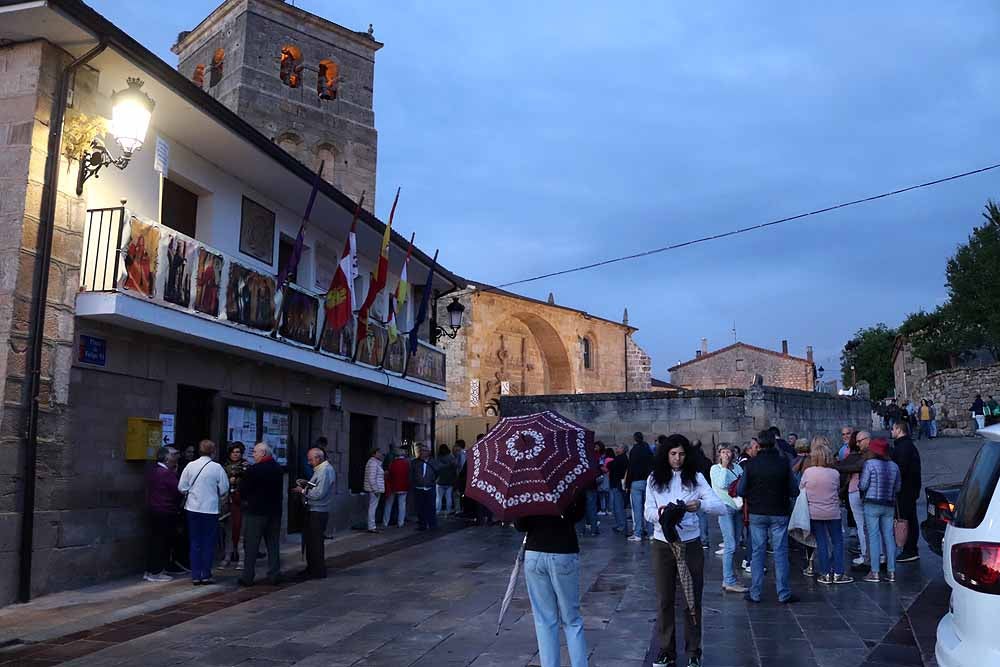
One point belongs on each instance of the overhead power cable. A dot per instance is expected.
(744, 230)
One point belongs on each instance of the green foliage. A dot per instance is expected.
(937, 337)
(974, 286)
(870, 352)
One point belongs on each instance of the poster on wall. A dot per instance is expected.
(372, 347)
(395, 358)
(298, 319)
(257, 231)
(276, 434)
(250, 298)
(241, 426)
(206, 294)
(168, 428)
(177, 286)
(141, 257)
(338, 341)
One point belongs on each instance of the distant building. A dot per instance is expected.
(734, 367)
(907, 369)
(662, 385)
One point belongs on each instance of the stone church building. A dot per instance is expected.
(511, 345)
(734, 367)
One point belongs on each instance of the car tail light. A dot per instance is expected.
(976, 565)
(944, 510)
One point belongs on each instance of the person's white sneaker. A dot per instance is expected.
(860, 560)
(746, 565)
(157, 578)
(634, 538)
(720, 551)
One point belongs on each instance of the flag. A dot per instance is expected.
(424, 301)
(379, 278)
(340, 298)
(293, 261)
(398, 299)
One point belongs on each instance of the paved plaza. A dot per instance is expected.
(432, 601)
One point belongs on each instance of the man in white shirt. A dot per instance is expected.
(203, 483)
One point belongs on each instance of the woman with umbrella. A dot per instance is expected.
(676, 492)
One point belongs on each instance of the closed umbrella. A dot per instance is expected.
(511, 583)
(531, 465)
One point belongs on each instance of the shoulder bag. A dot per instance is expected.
(900, 528)
(197, 475)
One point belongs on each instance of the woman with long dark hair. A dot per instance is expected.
(676, 489)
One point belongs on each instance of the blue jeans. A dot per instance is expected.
(703, 524)
(878, 523)
(775, 528)
(640, 526)
(203, 529)
(554, 590)
(424, 501)
(731, 525)
(590, 512)
(618, 508)
(829, 535)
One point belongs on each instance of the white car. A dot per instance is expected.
(967, 635)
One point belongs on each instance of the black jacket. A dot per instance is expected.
(640, 462)
(907, 457)
(767, 484)
(261, 489)
(554, 534)
(617, 470)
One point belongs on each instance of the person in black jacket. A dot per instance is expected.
(260, 492)
(617, 470)
(767, 486)
(640, 465)
(552, 574)
(907, 457)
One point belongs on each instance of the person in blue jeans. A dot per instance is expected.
(640, 465)
(722, 475)
(768, 487)
(552, 574)
(880, 484)
(617, 470)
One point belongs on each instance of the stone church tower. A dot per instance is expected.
(303, 81)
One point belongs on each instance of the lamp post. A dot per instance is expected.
(131, 110)
(455, 313)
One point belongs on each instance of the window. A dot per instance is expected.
(327, 80)
(326, 154)
(290, 70)
(179, 208)
(216, 73)
(285, 247)
(979, 487)
(587, 356)
(741, 365)
(198, 76)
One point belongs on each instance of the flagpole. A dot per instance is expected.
(424, 303)
(394, 305)
(354, 221)
(283, 274)
(381, 276)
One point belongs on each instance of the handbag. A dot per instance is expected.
(800, 524)
(900, 529)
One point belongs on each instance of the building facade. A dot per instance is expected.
(163, 321)
(735, 366)
(513, 345)
(907, 369)
(304, 81)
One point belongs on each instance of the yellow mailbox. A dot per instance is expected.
(143, 438)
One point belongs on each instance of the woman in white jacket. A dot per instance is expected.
(675, 478)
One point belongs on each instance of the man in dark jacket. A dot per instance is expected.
(640, 465)
(423, 479)
(907, 457)
(617, 470)
(767, 486)
(164, 503)
(260, 492)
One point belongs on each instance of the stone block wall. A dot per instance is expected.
(736, 366)
(711, 416)
(639, 365)
(953, 391)
(908, 371)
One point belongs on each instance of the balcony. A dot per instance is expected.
(142, 275)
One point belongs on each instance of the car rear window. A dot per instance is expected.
(980, 484)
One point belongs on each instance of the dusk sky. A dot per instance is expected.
(532, 137)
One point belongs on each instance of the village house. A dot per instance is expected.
(736, 365)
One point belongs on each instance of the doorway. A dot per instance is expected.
(409, 439)
(195, 408)
(361, 438)
(300, 439)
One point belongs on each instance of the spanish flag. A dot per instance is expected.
(398, 300)
(340, 298)
(379, 278)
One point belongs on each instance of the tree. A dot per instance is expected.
(938, 337)
(870, 352)
(974, 285)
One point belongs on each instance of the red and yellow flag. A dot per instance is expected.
(379, 278)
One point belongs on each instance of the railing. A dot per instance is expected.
(123, 253)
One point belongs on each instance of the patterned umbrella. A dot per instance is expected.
(531, 465)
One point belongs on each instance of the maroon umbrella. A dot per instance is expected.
(531, 465)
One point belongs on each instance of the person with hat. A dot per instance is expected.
(879, 484)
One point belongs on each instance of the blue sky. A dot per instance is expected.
(530, 137)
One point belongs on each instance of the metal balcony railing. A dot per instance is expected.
(127, 254)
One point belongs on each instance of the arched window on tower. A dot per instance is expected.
(327, 155)
(198, 76)
(290, 142)
(327, 80)
(588, 355)
(216, 73)
(291, 66)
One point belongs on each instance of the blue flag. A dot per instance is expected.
(424, 302)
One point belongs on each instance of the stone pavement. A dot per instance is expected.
(435, 602)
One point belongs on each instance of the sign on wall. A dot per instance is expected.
(92, 350)
(161, 160)
(257, 231)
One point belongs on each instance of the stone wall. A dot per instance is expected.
(953, 391)
(736, 366)
(340, 131)
(712, 416)
(908, 371)
(511, 344)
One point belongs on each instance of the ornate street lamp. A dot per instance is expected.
(131, 110)
(455, 312)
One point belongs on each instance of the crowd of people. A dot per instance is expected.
(922, 416)
(762, 494)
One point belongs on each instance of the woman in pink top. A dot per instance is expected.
(821, 484)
